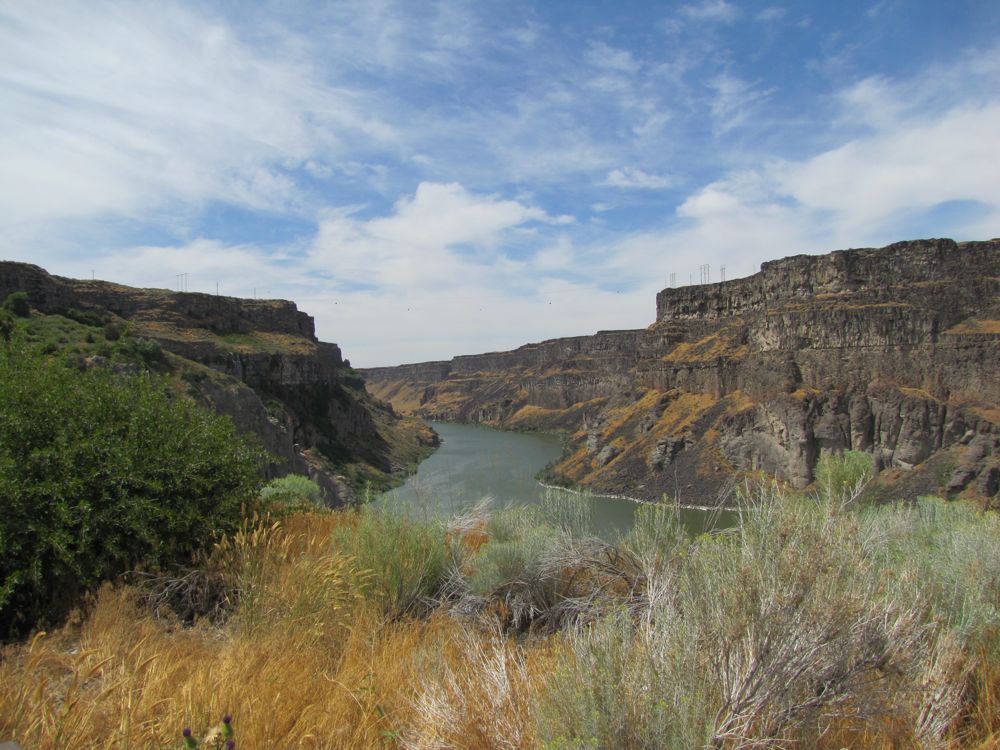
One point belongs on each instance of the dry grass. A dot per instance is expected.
(405, 397)
(807, 628)
(720, 344)
(258, 341)
(304, 663)
(976, 326)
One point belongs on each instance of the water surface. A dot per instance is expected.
(475, 461)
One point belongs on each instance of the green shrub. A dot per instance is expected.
(506, 566)
(17, 304)
(112, 331)
(571, 512)
(625, 687)
(139, 350)
(7, 325)
(405, 559)
(842, 477)
(94, 318)
(293, 489)
(803, 615)
(100, 473)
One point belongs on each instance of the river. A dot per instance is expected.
(475, 461)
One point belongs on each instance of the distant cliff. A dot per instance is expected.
(894, 351)
(259, 362)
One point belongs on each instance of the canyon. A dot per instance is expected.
(258, 362)
(893, 351)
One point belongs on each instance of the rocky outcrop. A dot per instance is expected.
(893, 351)
(259, 362)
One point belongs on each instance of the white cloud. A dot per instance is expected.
(149, 115)
(771, 13)
(631, 178)
(909, 167)
(127, 108)
(718, 11)
(734, 100)
(441, 238)
(610, 58)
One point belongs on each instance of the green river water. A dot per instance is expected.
(475, 461)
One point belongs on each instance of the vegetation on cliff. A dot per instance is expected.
(101, 472)
(255, 361)
(891, 351)
(817, 621)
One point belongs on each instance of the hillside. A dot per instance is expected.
(257, 361)
(894, 351)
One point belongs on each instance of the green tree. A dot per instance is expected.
(17, 303)
(100, 473)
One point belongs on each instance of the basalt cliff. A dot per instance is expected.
(894, 351)
(257, 361)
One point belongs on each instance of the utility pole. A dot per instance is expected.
(722, 271)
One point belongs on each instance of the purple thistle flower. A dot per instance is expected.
(187, 731)
(230, 744)
(227, 719)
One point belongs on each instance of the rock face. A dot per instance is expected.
(259, 362)
(894, 351)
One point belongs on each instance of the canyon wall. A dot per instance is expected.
(260, 363)
(894, 351)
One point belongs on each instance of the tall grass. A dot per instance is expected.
(819, 621)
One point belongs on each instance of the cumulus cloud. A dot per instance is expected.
(386, 167)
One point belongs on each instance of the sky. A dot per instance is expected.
(430, 179)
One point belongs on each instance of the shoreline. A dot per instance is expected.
(636, 500)
(609, 496)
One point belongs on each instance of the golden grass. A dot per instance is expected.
(258, 341)
(918, 393)
(714, 346)
(530, 415)
(976, 326)
(312, 666)
(404, 397)
(991, 414)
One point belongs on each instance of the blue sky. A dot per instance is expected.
(438, 178)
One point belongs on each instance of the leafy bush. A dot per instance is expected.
(803, 616)
(17, 304)
(100, 473)
(7, 325)
(406, 558)
(540, 569)
(139, 350)
(293, 489)
(842, 477)
(112, 331)
(93, 318)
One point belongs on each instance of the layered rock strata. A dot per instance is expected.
(260, 363)
(894, 351)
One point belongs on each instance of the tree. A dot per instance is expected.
(100, 473)
(17, 303)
